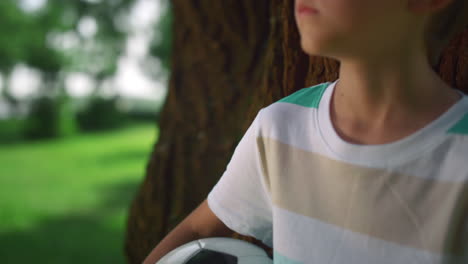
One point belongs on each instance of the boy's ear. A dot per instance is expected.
(427, 6)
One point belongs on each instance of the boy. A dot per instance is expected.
(368, 169)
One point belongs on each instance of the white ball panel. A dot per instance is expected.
(180, 254)
(235, 247)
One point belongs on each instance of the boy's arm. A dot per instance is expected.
(201, 223)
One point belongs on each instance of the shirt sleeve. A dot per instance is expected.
(240, 198)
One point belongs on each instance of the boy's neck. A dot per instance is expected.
(394, 98)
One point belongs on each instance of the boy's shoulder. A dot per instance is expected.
(461, 126)
(294, 108)
(307, 97)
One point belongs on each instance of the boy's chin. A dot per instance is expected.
(312, 48)
(319, 49)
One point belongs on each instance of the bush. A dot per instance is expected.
(101, 114)
(11, 130)
(50, 117)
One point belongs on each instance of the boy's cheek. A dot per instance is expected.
(350, 15)
(322, 43)
(340, 27)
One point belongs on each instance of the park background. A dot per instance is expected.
(81, 87)
(109, 139)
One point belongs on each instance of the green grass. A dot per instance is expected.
(66, 201)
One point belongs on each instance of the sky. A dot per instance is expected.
(129, 80)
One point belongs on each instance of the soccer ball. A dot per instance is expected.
(217, 250)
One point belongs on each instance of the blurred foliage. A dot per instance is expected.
(50, 118)
(161, 48)
(51, 40)
(30, 37)
(24, 38)
(27, 35)
(143, 115)
(11, 130)
(96, 55)
(101, 114)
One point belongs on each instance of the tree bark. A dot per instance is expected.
(230, 58)
(453, 65)
(217, 64)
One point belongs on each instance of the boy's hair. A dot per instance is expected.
(443, 26)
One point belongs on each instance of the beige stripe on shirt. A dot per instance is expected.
(405, 209)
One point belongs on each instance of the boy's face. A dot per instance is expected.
(355, 28)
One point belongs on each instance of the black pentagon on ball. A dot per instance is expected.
(206, 256)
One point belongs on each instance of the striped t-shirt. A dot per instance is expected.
(294, 184)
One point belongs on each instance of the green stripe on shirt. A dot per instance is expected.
(461, 127)
(308, 97)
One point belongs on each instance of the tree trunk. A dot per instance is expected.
(230, 58)
(453, 66)
(217, 64)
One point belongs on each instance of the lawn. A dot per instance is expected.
(66, 201)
